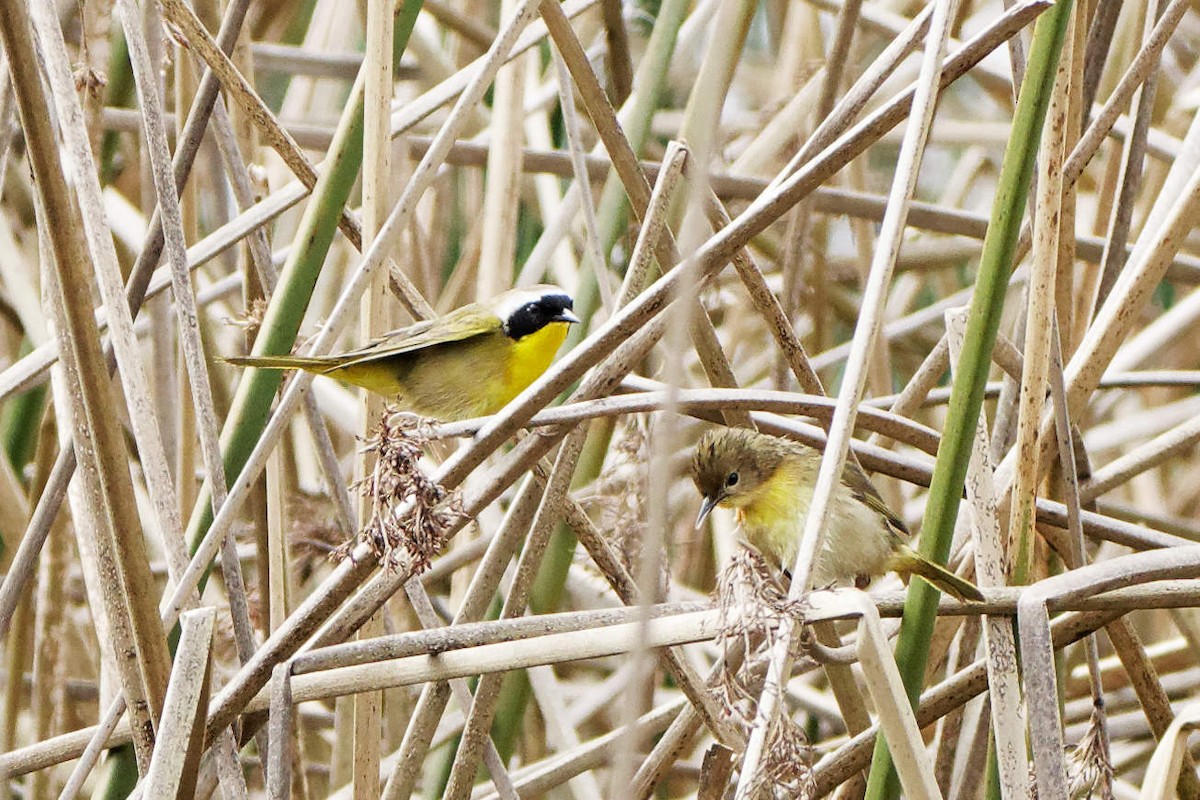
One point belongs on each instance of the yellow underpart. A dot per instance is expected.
(770, 515)
(530, 357)
(375, 376)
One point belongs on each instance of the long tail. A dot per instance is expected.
(317, 365)
(908, 561)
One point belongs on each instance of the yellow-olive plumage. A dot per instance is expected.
(769, 482)
(465, 364)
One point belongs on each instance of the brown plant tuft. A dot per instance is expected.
(251, 319)
(410, 514)
(787, 763)
(753, 606)
(1089, 767)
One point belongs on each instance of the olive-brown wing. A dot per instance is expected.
(863, 490)
(461, 324)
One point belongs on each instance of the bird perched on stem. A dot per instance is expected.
(465, 364)
(769, 482)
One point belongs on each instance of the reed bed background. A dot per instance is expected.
(846, 222)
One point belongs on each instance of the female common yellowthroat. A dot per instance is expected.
(465, 364)
(769, 482)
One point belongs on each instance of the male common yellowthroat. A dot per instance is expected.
(770, 481)
(465, 364)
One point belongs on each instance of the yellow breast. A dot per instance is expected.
(529, 357)
(770, 516)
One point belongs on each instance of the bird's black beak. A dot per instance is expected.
(706, 508)
(566, 315)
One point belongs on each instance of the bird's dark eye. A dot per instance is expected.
(732, 479)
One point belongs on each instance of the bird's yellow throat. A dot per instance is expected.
(531, 355)
(778, 500)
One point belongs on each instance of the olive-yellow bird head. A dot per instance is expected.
(528, 310)
(731, 464)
